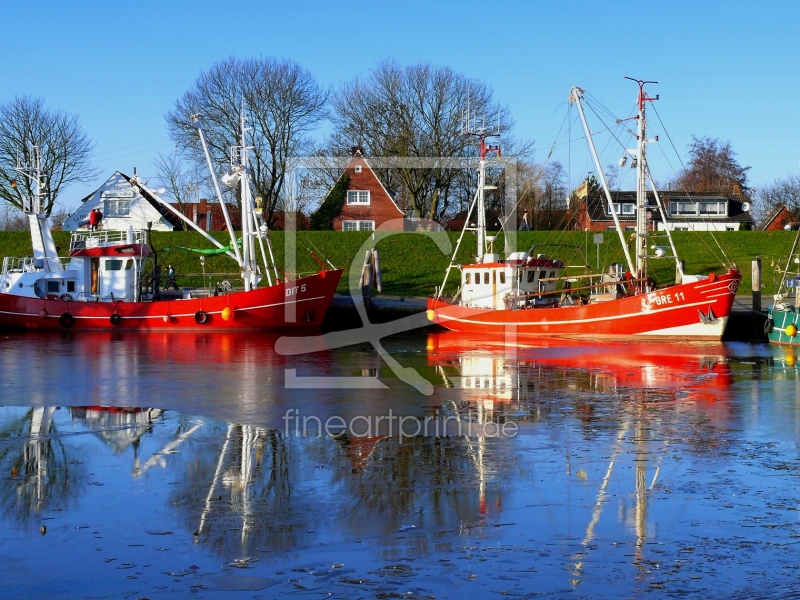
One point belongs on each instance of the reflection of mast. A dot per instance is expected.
(158, 457)
(601, 499)
(641, 492)
(238, 480)
(37, 452)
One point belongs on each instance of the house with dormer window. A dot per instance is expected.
(685, 211)
(124, 206)
(368, 205)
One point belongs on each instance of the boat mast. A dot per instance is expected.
(641, 181)
(481, 132)
(196, 123)
(41, 237)
(576, 95)
(249, 267)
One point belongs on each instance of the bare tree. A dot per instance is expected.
(415, 112)
(66, 151)
(713, 168)
(283, 103)
(181, 181)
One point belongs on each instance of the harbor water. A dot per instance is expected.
(173, 465)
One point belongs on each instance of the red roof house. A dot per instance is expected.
(780, 218)
(368, 205)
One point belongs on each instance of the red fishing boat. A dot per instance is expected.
(110, 280)
(527, 292)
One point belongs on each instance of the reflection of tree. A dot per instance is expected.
(437, 480)
(40, 472)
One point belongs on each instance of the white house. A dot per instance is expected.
(123, 206)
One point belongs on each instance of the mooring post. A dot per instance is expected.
(679, 268)
(376, 265)
(756, 285)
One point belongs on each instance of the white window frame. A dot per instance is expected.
(114, 207)
(720, 205)
(357, 169)
(358, 197)
(625, 208)
(675, 207)
(358, 225)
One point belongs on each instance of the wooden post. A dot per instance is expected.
(376, 265)
(756, 274)
(366, 285)
(679, 270)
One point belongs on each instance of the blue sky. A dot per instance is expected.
(725, 70)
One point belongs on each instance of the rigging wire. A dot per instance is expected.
(727, 259)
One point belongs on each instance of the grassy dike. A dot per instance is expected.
(412, 264)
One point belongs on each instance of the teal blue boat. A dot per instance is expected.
(783, 319)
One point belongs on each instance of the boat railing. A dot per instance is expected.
(30, 264)
(95, 239)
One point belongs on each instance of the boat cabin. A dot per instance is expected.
(104, 266)
(516, 282)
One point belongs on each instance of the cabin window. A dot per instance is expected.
(113, 265)
(129, 264)
(486, 278)
(552, 274)
(502, 276)
(358, 197)
(531, 276)
(467, 278)
(52, 287)
(70, 286)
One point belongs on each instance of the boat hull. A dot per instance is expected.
(697, 310)
(780, 319)
(300, 303)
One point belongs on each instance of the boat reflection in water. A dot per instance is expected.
(603, 436)
(636, 388)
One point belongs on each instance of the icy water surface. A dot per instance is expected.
(148, 466)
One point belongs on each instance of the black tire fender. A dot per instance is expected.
(115, 319)
(200, 317)
(66, 320)
(768, 326)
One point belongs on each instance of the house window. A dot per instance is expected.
(358, 225)
(683, 208)
(712, 208)
(357, 168)
(358, 196)
(611, 227)
(116, 207)
(630, 228)
(622, 209)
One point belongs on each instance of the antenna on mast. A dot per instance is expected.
(471, 128)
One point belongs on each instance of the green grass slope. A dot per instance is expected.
(413, 264)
